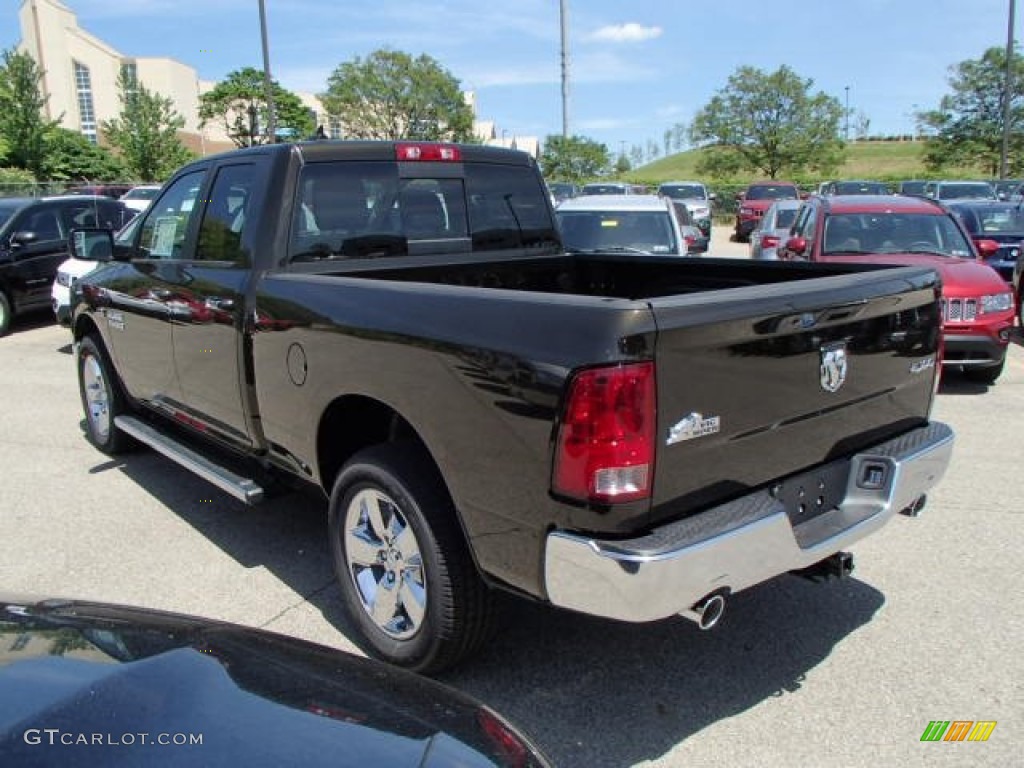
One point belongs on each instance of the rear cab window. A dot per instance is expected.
(374, 209)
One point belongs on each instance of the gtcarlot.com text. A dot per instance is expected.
(55, 736)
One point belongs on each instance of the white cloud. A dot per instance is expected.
(625, 33)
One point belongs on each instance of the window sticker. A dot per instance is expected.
(164, 234)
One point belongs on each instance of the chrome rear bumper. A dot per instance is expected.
(744, 542)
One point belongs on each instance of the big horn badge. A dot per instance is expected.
(833, 366)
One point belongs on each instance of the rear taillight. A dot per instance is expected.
(770, 241)
(427, 152)
(605, 447)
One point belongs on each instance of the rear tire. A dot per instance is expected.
(406, 574)
(102, 397)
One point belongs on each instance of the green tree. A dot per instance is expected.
(239, 105)
(769, 123)
(146, 132)
(71, 156)
(391, 95)
(22, 125)
(967, 128)
(574, 158)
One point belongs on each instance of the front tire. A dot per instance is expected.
(407, 577)
(5, 314)
(987, 374)
(102, 398)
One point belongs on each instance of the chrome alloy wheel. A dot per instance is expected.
(385, 564)
(97, 397)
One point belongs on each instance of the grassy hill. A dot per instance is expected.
(883, 160)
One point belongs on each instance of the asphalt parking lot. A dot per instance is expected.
(846, 673)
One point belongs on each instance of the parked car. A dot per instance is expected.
(696, 241)
(911, 187)
(1018, 282)
(114, 191)
(977, 304)
(562, 190)
(756, 199)
(1005, 188)
(630, 223)
(960, 190)
(33, 242)
(696, 197)
(856, 187)
(773, 229)
(607, 188)
(1002, 222)
(138, 198)
(203, 692)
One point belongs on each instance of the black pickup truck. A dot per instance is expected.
(397, 326)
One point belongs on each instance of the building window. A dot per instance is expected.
(129, 75)
(86, 113)
(334, 127)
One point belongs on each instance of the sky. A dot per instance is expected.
(637, 68)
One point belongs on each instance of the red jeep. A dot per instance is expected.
(977, 304)
(755, 200)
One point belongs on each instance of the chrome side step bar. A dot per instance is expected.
(242, 488)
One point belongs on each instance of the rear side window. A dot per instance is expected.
(353, 210)
(220, 233)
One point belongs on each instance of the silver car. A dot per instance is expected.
(773, 229)
(624, 223)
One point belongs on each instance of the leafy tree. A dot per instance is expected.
(146, 132)
(22, 125)
(967, 128)
(71, 156)
(390, 95)
(16, 182)
(769, 123)
(574, 158)
(622, 165)
(239, 104)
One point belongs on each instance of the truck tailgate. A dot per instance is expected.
(757, 384)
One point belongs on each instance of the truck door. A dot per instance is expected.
(210, 289)
(141, 295)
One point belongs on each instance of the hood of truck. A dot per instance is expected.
(755, 385)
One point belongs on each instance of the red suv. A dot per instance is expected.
(977, 304)
(756, 200)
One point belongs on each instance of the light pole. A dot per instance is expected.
(269, 93)
(846, 128)
(564, 18)
(1004, 169)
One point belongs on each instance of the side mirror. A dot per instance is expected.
(21, 239)
(91, 244)
(713, 196)
(797, 246)
(986, 248)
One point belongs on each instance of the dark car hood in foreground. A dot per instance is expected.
(93, 684)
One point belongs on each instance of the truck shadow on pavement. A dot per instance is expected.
(591, 692)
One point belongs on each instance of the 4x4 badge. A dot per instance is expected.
(833, 366)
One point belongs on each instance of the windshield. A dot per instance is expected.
(140, 194)
(6, 211)
(642, 231)
(964, 190)
(861, 188)
(1000, 218)
(771, 192)
(684, 191)
(894, 233)
(913, 187)
(605, 189)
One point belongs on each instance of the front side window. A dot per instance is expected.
(167, 220)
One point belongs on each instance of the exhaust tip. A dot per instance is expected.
(707, 611)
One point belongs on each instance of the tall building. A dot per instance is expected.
(80, 74)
